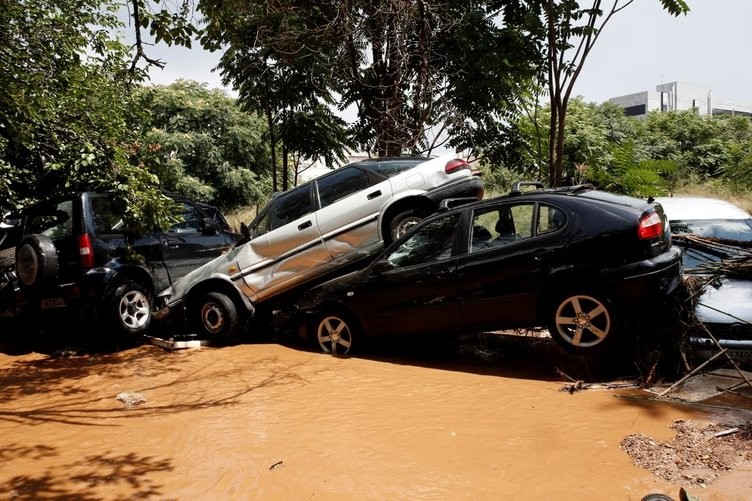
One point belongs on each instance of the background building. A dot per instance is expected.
(677, 96)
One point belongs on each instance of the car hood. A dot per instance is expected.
(730, 302)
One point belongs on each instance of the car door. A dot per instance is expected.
(418, 293)
(190, 243)
(286, 243)
(498, 278)
(351, 200)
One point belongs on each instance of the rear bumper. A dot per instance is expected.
(651, 278)
(470, 186)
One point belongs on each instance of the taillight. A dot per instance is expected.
(85, 252)
(456, 165)
(650, 226)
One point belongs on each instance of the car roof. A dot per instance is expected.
(691, 208)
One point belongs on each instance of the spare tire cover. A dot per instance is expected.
(36, 260)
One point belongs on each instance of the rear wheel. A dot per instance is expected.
(334, 333)
(131, 305)
(585, 322)
(402, 222)
(216, 317)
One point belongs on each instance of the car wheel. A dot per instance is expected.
(585, 322)
(402, 222)
(36, 260)
(334, 333)
(217, 317)
(132, 306)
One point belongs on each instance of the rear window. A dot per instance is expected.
(390, 168)
(107, 219)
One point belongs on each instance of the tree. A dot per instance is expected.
(407, 66)
(571, 32)
(201, 144)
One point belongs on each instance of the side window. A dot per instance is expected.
(192, 221)
(106, 217)
(341, 184)
(55, 222)
(550, 219)
(432, 242)
(284, 209)
(501, 225)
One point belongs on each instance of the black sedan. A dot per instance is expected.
(575, 260)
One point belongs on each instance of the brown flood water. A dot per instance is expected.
(276, 421)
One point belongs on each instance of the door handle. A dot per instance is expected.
(375, 194)
(303, 226)
(543, 255)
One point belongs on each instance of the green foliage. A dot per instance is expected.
(199, 143)
(65, 106)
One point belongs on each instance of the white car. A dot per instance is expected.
(725, 306)
(319, 227)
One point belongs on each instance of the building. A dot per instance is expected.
(677, 96)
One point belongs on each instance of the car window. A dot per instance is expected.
(284, 209)
(432, 242)
(107, 219)
(191, 221)
(54, 222)
(391, 168)
(494, 226)
(340, 184)
(550, 219)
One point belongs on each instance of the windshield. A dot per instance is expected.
(729, 238)
(733, 229)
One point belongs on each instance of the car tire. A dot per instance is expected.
(401, 223)
(131, 306)
(585, 321)
(335, 333)
(216, 317)
(36, 260)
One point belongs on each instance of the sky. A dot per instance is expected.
(641, 47)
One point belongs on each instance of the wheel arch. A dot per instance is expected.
(563, 280)
(415, 201)
(242, 304)
(114, 277)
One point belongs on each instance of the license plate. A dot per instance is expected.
(741, 354)
(54, 302)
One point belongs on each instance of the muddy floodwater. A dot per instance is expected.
(281, 422)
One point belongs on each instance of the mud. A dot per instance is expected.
(487, 418)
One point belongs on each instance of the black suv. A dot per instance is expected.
(78, 253)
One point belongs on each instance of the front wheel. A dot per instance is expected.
(216, 317)
(132, 304)
(585, 322)
(334, 333)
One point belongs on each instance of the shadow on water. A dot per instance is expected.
(522, 354)
(127, 473)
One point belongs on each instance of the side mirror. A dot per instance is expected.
(382, 266)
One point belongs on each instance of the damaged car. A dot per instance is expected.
(319, 227)
(76, 255)
(575, 260)
(716, 241)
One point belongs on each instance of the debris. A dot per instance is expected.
(178, 342)
(276, 465)
(131, 399)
